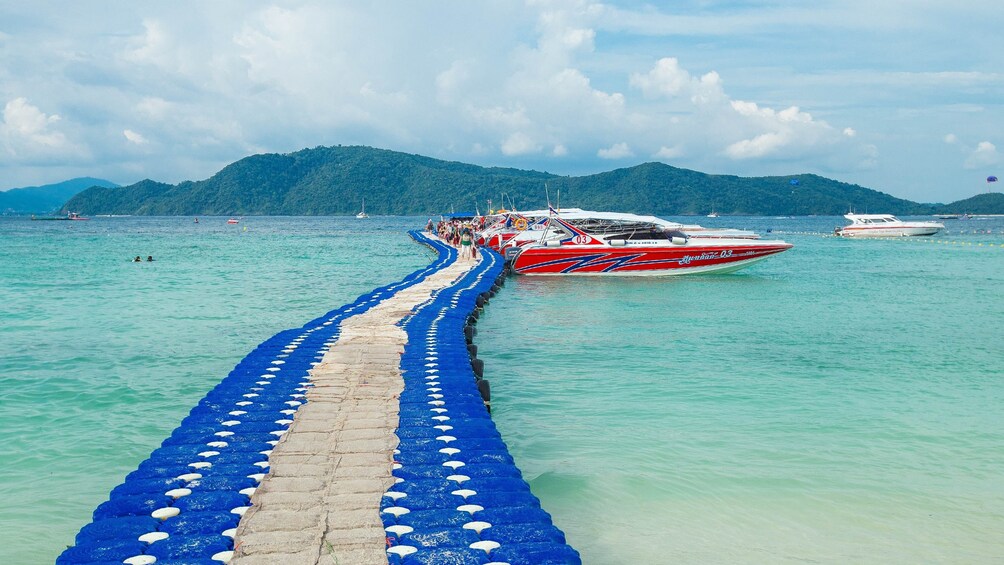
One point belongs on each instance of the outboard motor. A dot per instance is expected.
(511, 253)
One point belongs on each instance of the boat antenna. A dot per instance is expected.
(559, 199)
(547, 195)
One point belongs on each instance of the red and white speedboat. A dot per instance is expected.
(885, 225)
(619, 244)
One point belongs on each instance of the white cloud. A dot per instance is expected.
(668, 79)
(31, 125)
(665, 153)
(699, 111)
(615, 151)
(451, 83)
(951, 138)
(519, 144)
(559, 150)
(984, 155)
(27, 134)
(759, 146)
(134, 137)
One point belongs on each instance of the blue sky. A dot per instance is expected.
(899, 96)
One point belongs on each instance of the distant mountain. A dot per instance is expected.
(664, 190)
(334, 181)
(986, 203)
(45, 199)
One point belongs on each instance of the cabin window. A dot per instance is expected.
(646, 235)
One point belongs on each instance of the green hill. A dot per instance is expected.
(665, 190)
(47, 198)
(987, 203)
(335, 180)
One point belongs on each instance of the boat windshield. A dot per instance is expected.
(620, 229)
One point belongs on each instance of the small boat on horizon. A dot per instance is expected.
(362, 214)
(233, 221)
(69, 216)
(885, 225)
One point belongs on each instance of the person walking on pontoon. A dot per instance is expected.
(466, 244)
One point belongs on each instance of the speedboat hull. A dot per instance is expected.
(920, 229)
(644, 261)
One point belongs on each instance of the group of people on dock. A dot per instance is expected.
(457, 233)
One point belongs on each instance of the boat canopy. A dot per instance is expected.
(871, 218)
(459, 215)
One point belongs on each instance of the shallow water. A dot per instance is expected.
(103, 357)
(838, 403)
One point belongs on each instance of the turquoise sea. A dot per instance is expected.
(840, 403)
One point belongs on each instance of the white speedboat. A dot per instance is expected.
(885, 225)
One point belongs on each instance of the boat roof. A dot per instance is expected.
(869, 216)
(615, 216)
(538, 213)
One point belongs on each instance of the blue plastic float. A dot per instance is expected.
(459, 496)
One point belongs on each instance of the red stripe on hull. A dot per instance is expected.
(604, 260)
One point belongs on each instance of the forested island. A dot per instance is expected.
(47, 198)
(335, 180)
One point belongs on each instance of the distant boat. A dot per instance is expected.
(68, 216)
(362, 214)
(233, 221)
(713, 214)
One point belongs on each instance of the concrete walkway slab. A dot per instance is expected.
(320, 502)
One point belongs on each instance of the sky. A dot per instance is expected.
(904, 97)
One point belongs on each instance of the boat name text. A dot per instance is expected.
(706, 256)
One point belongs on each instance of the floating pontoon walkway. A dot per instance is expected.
(291, 459)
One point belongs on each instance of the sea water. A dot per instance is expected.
(100, 357)
(841, 402)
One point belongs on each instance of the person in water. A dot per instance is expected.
(137, 259)
(149, 258)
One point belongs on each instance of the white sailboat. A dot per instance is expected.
(362, 214)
